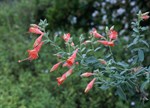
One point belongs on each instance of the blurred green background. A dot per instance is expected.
(29, 84)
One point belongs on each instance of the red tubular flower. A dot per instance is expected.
(103, 42)
(61, 79)
(72, 58)
(86, 74)
(145, 17)
(113, 34)
(107, 43)
(35, 30)
(66, 37)
(55, 67)
(37, 48)
(90, 85)
(33, 54)
(96, 34)
(111, 43)
(38, 41)
(69, 72)
(66, 65)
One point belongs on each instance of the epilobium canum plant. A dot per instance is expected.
(129, 77)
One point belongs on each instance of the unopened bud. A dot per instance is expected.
(146, 13)
(112, 27)
(102, 61)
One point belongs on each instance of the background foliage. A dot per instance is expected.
(29, 84)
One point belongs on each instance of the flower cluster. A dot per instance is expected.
(113, 35)
(70, 63)
(103, 71)
(33, 54)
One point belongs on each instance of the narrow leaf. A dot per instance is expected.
(140, 55)
(144, 42)
(121, 93)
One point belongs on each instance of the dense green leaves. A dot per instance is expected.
(92, 62)
(121, 93)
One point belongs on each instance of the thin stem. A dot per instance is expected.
(68, 47)
(111, 53)
(52, 43)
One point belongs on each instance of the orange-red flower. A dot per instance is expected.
(38, 41)
(35, 30)
(66, 65)
(72, 58)
(66, 37)
(145, 17)
(106, 43)
(90, 85)
(32, 55)
(61, 79)
(113, 34)
(111, 43)
(37, 48)
(55, 66)
(96, 34)
(86, 74)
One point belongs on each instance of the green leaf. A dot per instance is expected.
(83, 55)
(107, 56)
(140, 55)
(92, 61)
(129, 88)
(98, 48)
(89, 50)
(144, 42)
(130, 45)
(104, 87)
(140, 71)
(135, 58)
(144, 28)
(136, 30)
(121, 93)
(123, 72)
(83, 49)
(133, 23)
(123, 64)
(144, 85)
(135, 41)
(148, 68)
